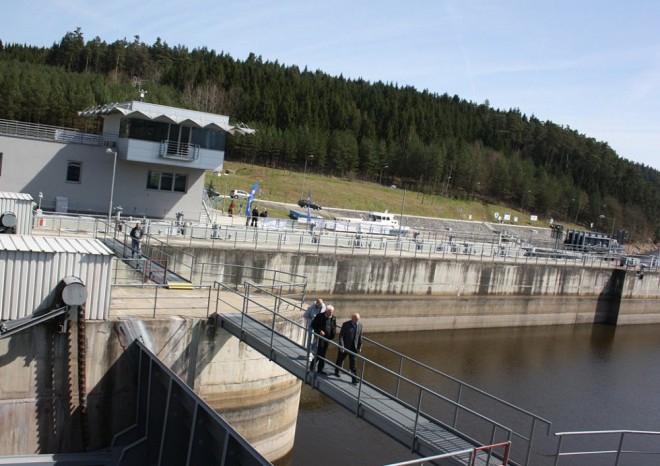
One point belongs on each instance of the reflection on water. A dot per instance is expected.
(585, 377)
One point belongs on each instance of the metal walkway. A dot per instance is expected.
(426, 421)
(144, 263)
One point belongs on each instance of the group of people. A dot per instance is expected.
(253, 219)
(321, 322)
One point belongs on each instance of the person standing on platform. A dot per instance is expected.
(350, 339)
(324, 325)
(136, 238)
(312, 311)
(255, 217)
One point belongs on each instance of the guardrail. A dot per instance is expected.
(461, 411)
(637, 451)
(289, 239)
(469, 456)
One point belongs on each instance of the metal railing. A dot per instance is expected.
(635, 450)
(458, 407)
(470, 456)
(179, 150)
(53, 133)
(286, 236)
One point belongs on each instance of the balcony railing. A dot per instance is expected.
(54, 133)
(179, 151)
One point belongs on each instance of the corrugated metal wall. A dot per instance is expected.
(21, 205)
(31, 268)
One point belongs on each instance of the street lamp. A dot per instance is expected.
(302, 188)
(109, 151)
(380, 179)
(474, 186)
(522, 206)
(612, 234)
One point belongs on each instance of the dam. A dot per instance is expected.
(240, 383)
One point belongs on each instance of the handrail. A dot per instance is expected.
(469, 451)
(618, 435)
(420, 407)
(290, 238)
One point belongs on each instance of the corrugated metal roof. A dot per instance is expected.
(16, 196)
(163, 113)
(53, 244)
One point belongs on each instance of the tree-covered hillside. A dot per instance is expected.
(353, 128)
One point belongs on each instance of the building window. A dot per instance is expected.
(73, 171)
(167, 181)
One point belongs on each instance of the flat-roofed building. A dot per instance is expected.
(162, 154)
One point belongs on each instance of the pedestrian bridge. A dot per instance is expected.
(441, 417)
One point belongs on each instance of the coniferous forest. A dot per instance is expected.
(430, 143)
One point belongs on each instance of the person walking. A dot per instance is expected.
(350, 344)
(324, 325)
(136, 238)
(232, 207)
(317, 307)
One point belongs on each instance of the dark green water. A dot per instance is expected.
(579, 377)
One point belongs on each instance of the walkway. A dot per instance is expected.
(388, 414)
(383, 397)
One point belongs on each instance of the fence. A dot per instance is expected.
(286, 235)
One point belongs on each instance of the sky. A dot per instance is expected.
(590, 65)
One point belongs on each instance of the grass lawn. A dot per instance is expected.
(287, 186)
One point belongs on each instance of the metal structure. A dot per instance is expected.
(426, 420)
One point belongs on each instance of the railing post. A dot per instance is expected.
(155, 300)
(458, 403)
(557, 455)
(618, 451)
(417, 410)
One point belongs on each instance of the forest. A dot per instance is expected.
(355, 129)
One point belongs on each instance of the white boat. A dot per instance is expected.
(377, 223)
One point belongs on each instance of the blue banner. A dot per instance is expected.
(253, 191)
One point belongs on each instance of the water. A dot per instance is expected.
(582, 377)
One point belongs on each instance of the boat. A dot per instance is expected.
(377, 223)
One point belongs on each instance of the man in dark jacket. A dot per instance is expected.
(136, 238)
(350, 338)
(324, 325)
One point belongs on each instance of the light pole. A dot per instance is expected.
(612, 234)
(109, 151)
(380, 179)
(522, 206)
(380, 182)
(474, 186)
(568, 207)
(302, 188)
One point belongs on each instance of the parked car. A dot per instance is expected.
(311, 204)
(238, 194)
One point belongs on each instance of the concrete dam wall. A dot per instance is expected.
(42, 411)
(398, 294)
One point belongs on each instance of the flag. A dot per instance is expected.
(253, 191)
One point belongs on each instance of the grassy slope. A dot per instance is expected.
(286, 186)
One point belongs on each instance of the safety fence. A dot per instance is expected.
(288, 236)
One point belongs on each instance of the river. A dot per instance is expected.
(583, 377)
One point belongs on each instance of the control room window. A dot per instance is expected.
(73, 171)
(167, 182)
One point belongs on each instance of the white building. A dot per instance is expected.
(161, 152)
